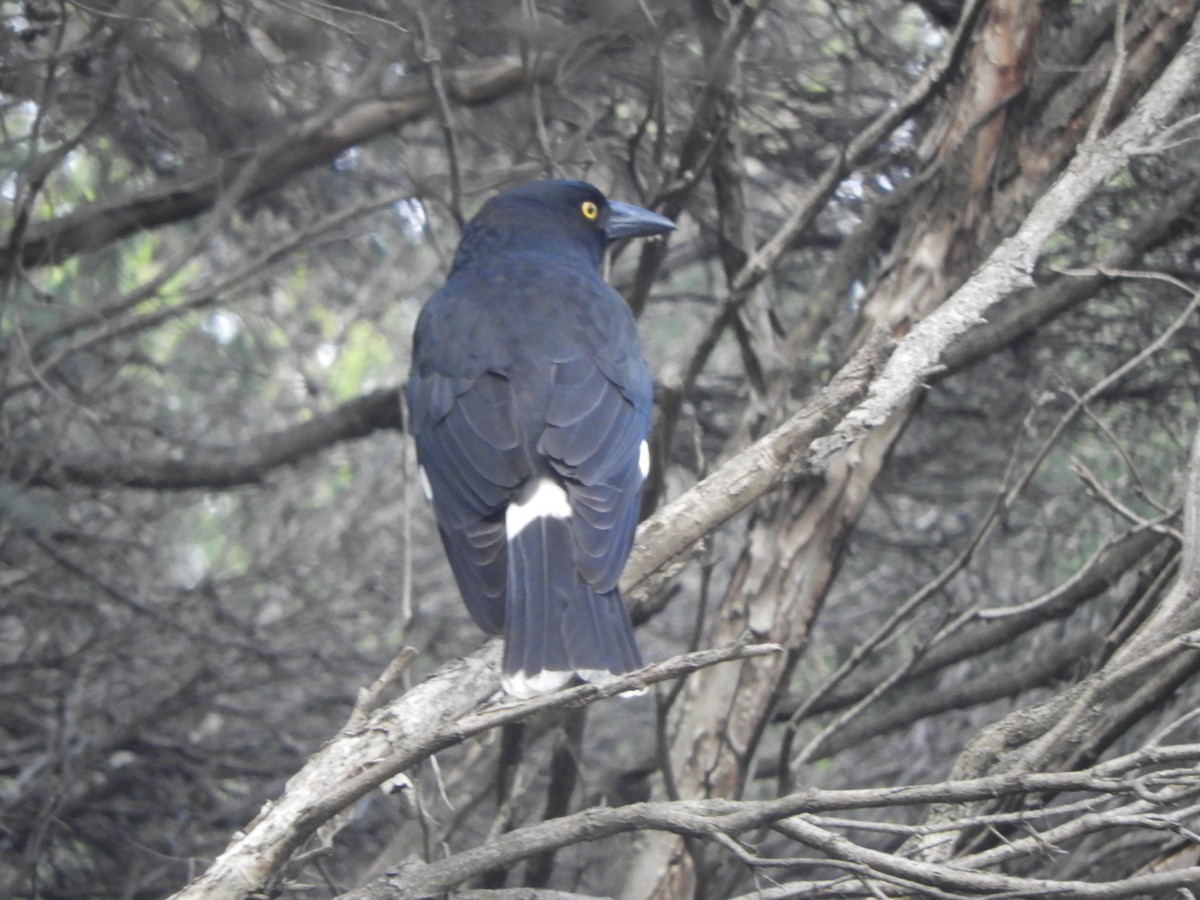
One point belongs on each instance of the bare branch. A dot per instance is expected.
(95, 226)
(1008, 268)
(789, 815)
(219, 468)
(750, 474)
(436, 714)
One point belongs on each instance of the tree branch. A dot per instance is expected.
(224, 467)
(752, 472)
(1009, 267)
(97, 225)
(709, 817)
(1097, 575)
(1156, 226)
(436, 714)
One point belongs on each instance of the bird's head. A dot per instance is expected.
(556, 215)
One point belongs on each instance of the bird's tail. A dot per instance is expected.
(556, 623)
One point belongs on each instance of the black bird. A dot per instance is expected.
(529, 400)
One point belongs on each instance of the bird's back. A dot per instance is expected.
(520, 320)
(530, 401)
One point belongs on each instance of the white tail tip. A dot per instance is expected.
(525, 686)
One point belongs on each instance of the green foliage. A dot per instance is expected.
(364, 361)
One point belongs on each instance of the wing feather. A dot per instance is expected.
(578, 389)
(473, 460)
(597, 455)
(477, 558)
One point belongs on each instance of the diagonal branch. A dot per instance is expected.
(757, 265)
(438, 713)
(753, 472)
(1008, 268)
(97, 225)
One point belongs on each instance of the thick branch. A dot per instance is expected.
(1008, 268)
(434, 715)
(1156, 226)
(97, 225)
(752, 472)
(225, 467)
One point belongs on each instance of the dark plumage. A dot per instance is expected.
(529, 399)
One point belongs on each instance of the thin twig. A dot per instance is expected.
(1120, 54)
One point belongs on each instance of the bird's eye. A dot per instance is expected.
(590, 210)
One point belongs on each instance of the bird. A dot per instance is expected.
(529, 400)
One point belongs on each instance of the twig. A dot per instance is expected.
(368, 698)
(1120, 54)
(1101, 490)
(432, 57)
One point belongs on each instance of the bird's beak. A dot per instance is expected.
(628, 221)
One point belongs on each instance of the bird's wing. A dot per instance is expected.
(594, 433)
(471, 454)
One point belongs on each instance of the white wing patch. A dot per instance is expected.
(548, 501)
(426, 487)
(644, 459)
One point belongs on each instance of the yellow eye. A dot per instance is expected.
(590, 210)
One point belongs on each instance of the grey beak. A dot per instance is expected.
(628, 221)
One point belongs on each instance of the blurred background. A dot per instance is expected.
(219, 222)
